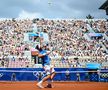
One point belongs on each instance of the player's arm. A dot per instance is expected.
(40, 55)
(48, 52)
(44, 54)
(36, 53)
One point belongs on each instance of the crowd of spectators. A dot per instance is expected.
(12, 38)
(66, 36)
(101, 26)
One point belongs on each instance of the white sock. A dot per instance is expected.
(41, 81)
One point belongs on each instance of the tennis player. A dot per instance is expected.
(49, 69)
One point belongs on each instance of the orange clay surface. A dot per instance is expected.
(56, 86)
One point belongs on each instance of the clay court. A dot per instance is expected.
(57, 86)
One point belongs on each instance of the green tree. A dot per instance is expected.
(89, 17)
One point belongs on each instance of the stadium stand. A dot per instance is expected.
(71, 38)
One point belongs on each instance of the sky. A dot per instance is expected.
(51, 9)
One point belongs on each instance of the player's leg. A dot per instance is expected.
(48, 76)
(49, 85)
(52, 75)
(52, 71)
(39, 84)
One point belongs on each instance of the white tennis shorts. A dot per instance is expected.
(49, 69)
